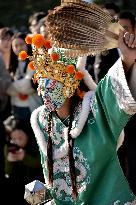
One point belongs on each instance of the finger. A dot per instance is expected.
(131, 40)
(126, 37)
(134, 43)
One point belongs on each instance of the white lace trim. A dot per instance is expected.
(50, 203)
(62, 151)
(85, 110)
(120, 88)
(131, 203)
(57, 153)
(127, 203)
(62, 182)
(81, 62)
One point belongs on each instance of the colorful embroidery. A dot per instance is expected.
(62, 182)
(52, 93)
(93, 105)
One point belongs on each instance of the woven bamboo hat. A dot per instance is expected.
(83, 28)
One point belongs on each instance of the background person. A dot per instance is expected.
(127, 153)
(33, 21)
(24, 97)
(22, 159)
(5, 82)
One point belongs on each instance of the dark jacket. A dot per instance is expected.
(5, 81)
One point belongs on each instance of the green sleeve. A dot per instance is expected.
(114, 103)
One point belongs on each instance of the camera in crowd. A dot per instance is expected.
(10, 124)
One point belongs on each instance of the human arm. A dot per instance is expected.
(127, 46)
(129, 58)
(115, 97)
(5, 79)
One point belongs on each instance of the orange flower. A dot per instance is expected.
(22, 55)
(70, 69)
(28, 39)
(31, 65)
(55, 56)
(38, 40)
(47, 44)
(80, 93)
(79, 75)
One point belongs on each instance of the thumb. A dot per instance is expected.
(121, 37)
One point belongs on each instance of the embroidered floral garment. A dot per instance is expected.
(100, 180)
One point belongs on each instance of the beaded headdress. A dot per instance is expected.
(83, 27)
(51, 63)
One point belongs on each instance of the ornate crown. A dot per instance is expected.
(49, 62)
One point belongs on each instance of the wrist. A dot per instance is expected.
(127, 63)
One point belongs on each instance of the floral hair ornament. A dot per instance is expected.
(52, 65)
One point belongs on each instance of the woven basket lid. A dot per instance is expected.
(83, 28)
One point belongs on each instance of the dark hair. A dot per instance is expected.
(128, 15)
(36, 16)
(13, 123)
(23, 36)
(112, 6)
(14, 58)
(42, 22)
(13, 62)
(70, 149)
(75, 101)
(83, 86)
(6, 31)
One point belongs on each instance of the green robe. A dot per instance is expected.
(100, 180)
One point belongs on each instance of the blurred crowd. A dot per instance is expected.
(19, 154)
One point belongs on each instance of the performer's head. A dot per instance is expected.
(59, 77)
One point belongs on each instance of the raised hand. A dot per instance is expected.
(127, 45)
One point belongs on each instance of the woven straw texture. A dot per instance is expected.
(82, 28)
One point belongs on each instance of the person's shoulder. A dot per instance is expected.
(2, 61)
(37, 113)
(34, 119)
(39, 122)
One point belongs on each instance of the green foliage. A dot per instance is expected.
(15, 13)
